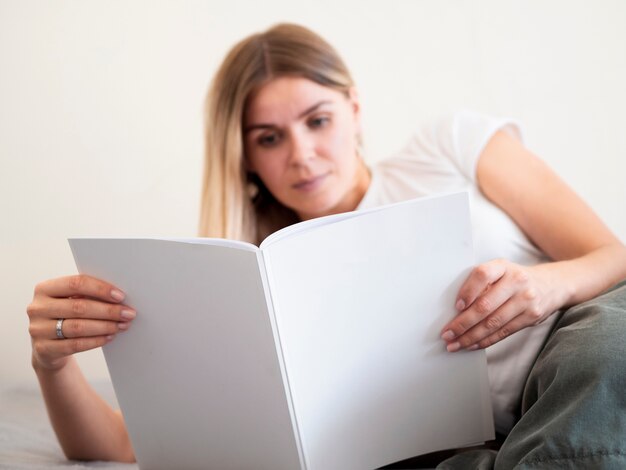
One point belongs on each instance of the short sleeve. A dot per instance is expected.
(441, 156)
(469, 133)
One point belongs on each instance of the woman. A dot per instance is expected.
(283, 144)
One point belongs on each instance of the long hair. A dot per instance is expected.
(229, 209)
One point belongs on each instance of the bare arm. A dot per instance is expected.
(500, 297)
(86, 426)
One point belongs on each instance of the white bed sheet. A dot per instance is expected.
(27, 441)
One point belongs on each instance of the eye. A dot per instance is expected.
(319, 121)
(269, 139)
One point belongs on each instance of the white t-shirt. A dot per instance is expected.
(440, 158)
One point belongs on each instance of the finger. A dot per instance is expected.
(55, 349)
(532, 315)
(83, 308)
(487, 303)
(73, 328)
(498, 320)
(479, 280)
(80, 284)
(518, 323)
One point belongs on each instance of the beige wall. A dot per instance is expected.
(100, 108)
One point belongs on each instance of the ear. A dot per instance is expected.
(353, 96)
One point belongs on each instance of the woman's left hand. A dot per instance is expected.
(497, 299)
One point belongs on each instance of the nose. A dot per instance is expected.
(302, 149)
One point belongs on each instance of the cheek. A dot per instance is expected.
(270, 172)
(341, 149)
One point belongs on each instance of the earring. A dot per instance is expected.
(252, 189)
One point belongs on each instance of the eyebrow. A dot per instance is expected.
(309, 110)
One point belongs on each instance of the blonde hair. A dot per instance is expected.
(228, 209)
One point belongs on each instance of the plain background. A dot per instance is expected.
(101, 109)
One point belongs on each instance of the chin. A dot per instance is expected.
(318, 208)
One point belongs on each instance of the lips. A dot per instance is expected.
(310, 184)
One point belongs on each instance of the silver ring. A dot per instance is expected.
(60, 328)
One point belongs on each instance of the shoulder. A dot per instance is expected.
(451, 142)
(471, 132)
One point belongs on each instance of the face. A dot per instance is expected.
(300, 138)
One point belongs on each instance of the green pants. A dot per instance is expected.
(574, 402)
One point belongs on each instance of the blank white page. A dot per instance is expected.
(197, 375)
(359, 306)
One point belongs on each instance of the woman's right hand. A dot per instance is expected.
(92, 313)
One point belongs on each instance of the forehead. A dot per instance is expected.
(287, 97)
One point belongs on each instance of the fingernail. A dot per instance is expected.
(447, 335)
(473, 347)
(109, 338)
(452, 347)
(128, 314)
(460, 305)
(117, 295)
(122, 326)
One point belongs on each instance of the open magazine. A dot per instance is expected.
(319, 349)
